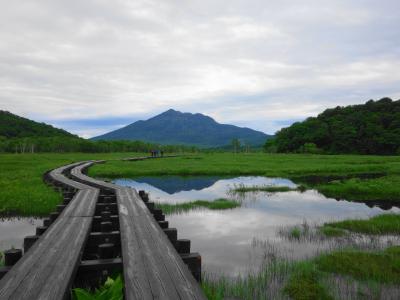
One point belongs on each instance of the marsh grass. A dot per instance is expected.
(265, 284)
(347, 273)
(305, 283)
(22, 190)
(242, 189)
(356, 189)
(217, 204)
(381, 224)
(301, 232)
(346, 287)
(378, 266)
(330, 231)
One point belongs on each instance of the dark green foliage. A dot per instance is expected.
(13, 126)
(174, 127)
(75, 144)
(111, 290)
(371, 128)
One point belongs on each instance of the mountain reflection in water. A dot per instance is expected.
(225, 238)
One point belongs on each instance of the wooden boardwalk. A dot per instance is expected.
(102, 227)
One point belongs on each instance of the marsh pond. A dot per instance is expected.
(236, 241)
(232, 241)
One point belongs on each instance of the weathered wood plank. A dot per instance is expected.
(57, 174)
(83, 204)
(146, 249)
(152, 267)
(47, 270)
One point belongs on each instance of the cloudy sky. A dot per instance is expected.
(95, 65)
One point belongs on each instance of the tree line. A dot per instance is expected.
(370, 128)
(73, 144)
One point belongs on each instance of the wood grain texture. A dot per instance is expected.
(47, 270)
(152, 267)
(146, 249)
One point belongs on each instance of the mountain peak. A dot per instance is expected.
(175, 127)
(171, 111)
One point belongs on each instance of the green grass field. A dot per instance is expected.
(229, 164)
(22, 191)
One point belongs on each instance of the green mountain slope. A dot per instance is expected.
(13, 126)
(174, 127)
(370, 128)
(21, 135)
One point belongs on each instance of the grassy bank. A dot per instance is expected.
(381, 224)
(292, 166)
(383, 188)
(216, 204)
(378, 266)
(22, 190)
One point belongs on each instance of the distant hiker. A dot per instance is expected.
(162, 153)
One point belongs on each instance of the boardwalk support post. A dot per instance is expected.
(193, 261)
(12, 256)
(40, 230)
(29, 241)
(183, 246)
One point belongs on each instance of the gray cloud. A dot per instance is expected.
(251, 63)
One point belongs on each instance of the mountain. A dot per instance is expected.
(370, 128)
(13, 126)
(174, 127)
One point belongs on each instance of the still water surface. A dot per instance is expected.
(229, 240)
(13, 230)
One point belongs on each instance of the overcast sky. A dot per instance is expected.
(92, 66)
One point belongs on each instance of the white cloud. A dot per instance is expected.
(252, 63)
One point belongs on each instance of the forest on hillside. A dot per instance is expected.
(21, 135)
(370, 128)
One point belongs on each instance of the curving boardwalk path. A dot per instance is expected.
(101, 228)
